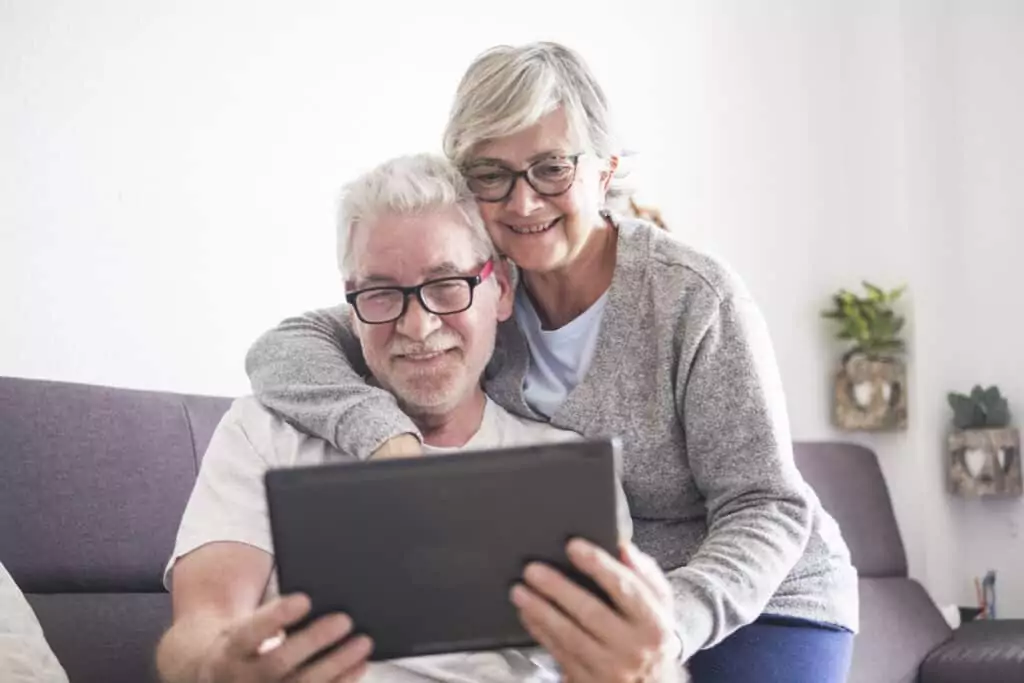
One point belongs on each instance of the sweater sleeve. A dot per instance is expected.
(733, 409)
(310, 370)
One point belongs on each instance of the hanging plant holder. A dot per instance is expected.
(870, 385)
(983, 452)
(870, 394)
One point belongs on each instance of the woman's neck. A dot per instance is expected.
(560, 296)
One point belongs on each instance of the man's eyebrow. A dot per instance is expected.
(373, 281)
(444, 269)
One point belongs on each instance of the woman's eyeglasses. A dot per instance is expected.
(492, 182)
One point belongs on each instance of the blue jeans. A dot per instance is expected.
(777, 650)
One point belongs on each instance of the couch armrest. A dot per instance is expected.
(986, 651)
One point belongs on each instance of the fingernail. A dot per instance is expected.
(299, 604)
(535, 572)
(364, 646)
(518, 595)
(579, 547)
(343, 623)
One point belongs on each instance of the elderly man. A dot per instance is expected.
(427, 292)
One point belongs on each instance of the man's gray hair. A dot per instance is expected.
(406, 185)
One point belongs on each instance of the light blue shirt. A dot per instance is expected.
(558, 358)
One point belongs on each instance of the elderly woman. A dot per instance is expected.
(619, 329)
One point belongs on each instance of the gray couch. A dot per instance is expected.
(95, 480)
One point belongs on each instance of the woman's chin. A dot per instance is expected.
(540, 255)
(537, 261)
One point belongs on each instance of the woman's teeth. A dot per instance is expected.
(533, 228)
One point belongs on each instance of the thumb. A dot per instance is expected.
(647, 569)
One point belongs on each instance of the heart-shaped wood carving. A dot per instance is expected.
(975, 458)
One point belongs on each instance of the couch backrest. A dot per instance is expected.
(851, 487)
(899, 624)
(94, 482)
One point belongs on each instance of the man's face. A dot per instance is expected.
(430, 362)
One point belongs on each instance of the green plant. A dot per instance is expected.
(982, 409)
(869, 321)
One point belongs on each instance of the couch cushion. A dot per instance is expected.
(105, 637)
(849, 483)
(899, 625)
(95, 481)
(989, 650)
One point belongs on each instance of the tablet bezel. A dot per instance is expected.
(295, 494)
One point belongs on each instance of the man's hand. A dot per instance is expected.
(401, 446)
(239, 652)
(592, 642)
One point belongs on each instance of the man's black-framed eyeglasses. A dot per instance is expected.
(443, 296)
(549, 177)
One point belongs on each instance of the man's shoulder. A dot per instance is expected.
(513, 430)
(269, 434)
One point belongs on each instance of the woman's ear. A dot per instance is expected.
(504, 277)
(608, 173)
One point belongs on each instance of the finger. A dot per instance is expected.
(623, 584)
(585, 608)
(572, 669)
(344, 661)
(560, 631)
(267, 621)
(299, 647)
(649, 570)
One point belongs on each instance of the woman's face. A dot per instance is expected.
(542, 233)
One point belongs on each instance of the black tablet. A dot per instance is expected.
(421, 552)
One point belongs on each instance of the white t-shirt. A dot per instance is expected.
(228, 503)
(560, 358)
(25, 656)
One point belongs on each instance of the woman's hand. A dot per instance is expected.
(591, 641)
(401, 446)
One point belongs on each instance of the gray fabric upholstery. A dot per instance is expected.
(95, 481)
(983, 651)
(900, 625)
(92, 480)
(104, 637)
(850, 485)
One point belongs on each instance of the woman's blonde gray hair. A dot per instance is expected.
(509, 88)
(404, 185)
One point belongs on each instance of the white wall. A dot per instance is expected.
(167, 179)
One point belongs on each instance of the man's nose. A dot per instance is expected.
(524, 200)
(417, 323)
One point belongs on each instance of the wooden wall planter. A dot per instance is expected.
(985, 462)
(871, 394)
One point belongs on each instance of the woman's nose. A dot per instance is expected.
(523, 200)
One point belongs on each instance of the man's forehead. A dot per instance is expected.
(398, 248)
(411, 271)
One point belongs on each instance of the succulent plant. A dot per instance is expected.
(982, 409)
(869, 322)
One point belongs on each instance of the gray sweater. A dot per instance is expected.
(684, 374)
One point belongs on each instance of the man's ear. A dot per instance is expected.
(504, 277)
(354, 320)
